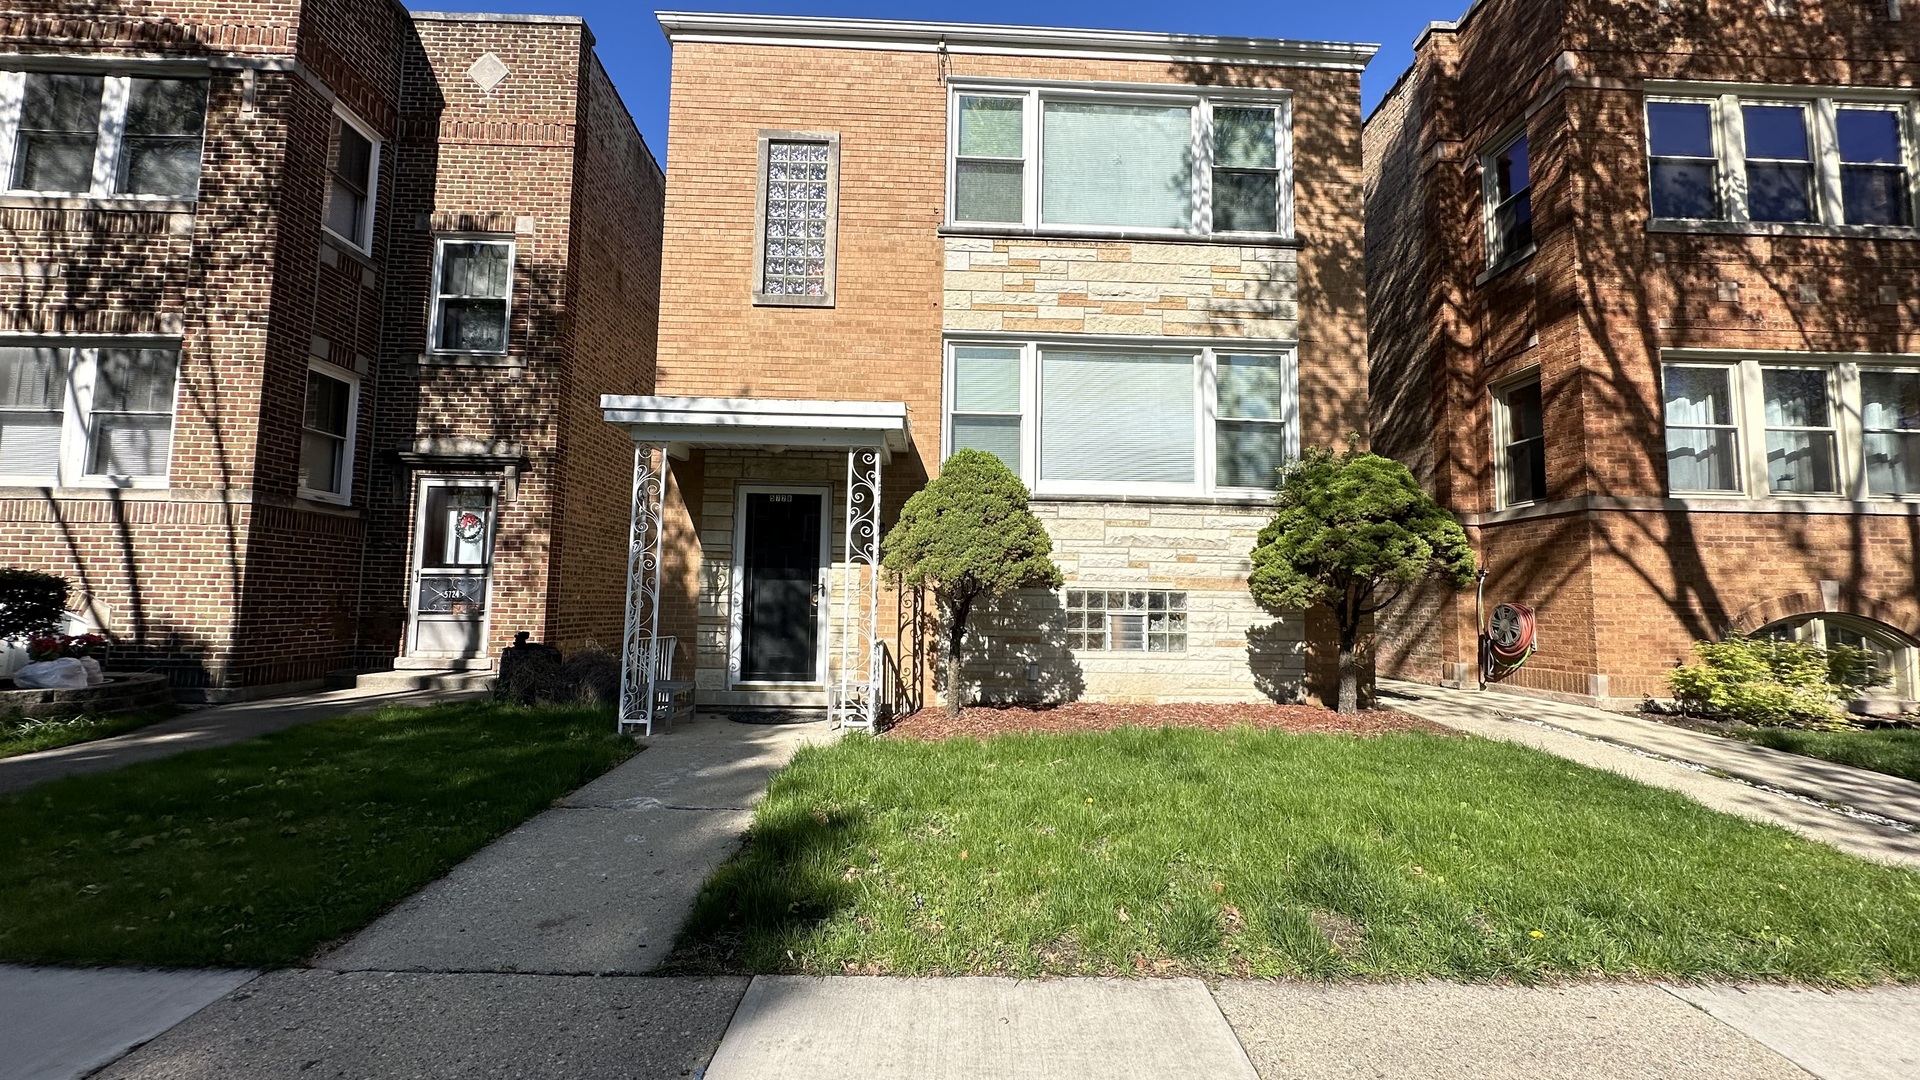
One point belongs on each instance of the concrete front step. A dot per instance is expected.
(404, 679)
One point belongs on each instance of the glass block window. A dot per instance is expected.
(797, 219)
(1112, 620)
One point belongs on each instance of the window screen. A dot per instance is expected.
(1117, 417)
(1890, 417)
(1250, 430)
(1117, 165)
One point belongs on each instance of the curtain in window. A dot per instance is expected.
(986, 402)
(1115, 417)
(132, 421)
(1701, 437)
(1799, 431)
(1120, 165)
(32, 394)
(59, 131)
(1890, 415)
(161, 151)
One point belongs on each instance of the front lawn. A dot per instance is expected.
(254, 854)
(1895, 751)
(1265, 853)
(20, 735)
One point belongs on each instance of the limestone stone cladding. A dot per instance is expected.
(1625, 561)
(908, 283)
(216, 564)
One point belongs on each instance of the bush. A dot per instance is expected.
(538, 676)
(1768, 683)
(32, 604)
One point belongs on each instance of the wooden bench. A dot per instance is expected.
(672, 698)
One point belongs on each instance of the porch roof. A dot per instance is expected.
(687, 422)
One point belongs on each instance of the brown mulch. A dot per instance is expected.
(985, 721)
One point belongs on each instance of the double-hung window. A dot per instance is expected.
(1150, 419)
(1782, 156)
(1507, 188)
(326, 434)
(100, 135)
(73, 415)
(473, 295)
(1793, 425)
(1520, 433)
(1173, 161)
(353, 172)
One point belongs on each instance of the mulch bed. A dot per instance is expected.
(1076, 716)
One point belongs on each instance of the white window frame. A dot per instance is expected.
(344, 496)
(372, 208)
(435, 296)
(1199, 100)
(1822, 105)
(1490, 202)
(1206, 405)
(1749, 403)
(115, 93)
(1742, 433)
(1503, 435)
(82, 357)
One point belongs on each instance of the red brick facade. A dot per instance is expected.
(1625, 574)
(224, 575)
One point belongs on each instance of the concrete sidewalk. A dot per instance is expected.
(217, 725)
(1817, 799)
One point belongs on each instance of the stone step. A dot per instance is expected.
(403, 679)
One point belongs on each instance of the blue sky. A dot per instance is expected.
(636, 55)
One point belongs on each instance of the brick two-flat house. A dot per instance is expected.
(305, 308)
(1127, 263)
(1645, 282)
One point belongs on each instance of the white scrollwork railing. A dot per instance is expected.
(644, 542)
(855, 703)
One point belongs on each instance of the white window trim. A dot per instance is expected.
(76, 414)
(343, 497)
(115, 92)
(1200, 99)
(1502, 432)
(1844, 404)
(1490, 200)
(373, 182)
(1730, 144)
(435, 296)
(1206, 405)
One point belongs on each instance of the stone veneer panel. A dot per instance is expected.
(1235, 650)
(1123, 288)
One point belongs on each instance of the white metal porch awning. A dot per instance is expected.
(680, 423)
(869, 432)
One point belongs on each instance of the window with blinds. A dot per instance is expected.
(1166, 419)
(1158, 160)
(89, 134)
(72, 416)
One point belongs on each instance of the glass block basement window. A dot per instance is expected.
(1135, 620)
(796, 255)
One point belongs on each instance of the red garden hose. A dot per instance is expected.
(1510, 635)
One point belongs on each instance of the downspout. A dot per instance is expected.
(1480, 624)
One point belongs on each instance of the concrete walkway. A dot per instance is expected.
(1866, 813)
(62, 1022)
(215, 725)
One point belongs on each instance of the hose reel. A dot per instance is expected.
(1510, 638)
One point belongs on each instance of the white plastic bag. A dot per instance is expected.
(94, 675)
(66, 673)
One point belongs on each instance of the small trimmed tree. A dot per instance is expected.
(969, 536)
(31, 603)
(1352, 531)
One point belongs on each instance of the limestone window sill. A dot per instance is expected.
(1055, 232)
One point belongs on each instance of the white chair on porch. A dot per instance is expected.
(672, 698)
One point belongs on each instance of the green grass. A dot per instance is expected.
(1894, 751)
(24, 736)
(1268, 854)
(254, 854)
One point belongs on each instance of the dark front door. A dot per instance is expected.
(780, 589)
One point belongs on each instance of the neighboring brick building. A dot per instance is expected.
(1644, 288)
(887, 239)
(277, 277)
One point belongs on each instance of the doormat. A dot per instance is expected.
(779, 716)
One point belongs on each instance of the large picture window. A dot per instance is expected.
(473, 295)
(94, 414)
(1177, 161)
(1172, 419)
(98, 135)
(1793, 425)
(1778, 157)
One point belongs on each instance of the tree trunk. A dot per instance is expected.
(1348, 618)
(956, 633)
